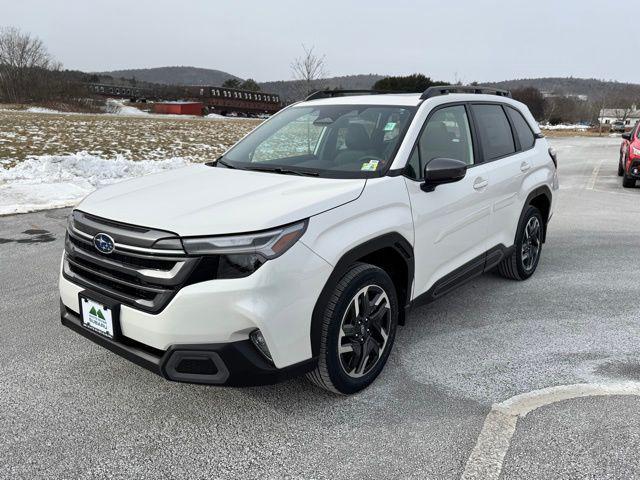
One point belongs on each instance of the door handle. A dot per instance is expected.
(524, 166)
(480, 183)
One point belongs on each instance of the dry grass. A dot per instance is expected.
(24, 134)
(592, 132)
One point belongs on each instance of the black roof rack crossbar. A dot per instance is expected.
(447, 89)
(342, 93)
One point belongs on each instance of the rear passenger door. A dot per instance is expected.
(507, 144)
(451, 223)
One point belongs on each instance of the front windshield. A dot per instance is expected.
(343, 141)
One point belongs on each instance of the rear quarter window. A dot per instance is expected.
(522, 128)
(495, 132)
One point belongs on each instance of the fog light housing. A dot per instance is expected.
(260, 343)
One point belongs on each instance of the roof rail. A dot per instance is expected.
(340, 93)
(447, 89)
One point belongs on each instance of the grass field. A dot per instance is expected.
(24, 134)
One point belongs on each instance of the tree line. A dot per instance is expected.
(30, 74)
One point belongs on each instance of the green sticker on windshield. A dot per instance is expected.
(370, 166)
(389, 126)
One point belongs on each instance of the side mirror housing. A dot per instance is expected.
(626, 136)
(442, 170)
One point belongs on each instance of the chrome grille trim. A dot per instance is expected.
(139, 276)
(127, 248)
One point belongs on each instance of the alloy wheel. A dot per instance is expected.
(364, 331)
(531, 243)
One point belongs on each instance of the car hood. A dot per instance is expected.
(201, 200)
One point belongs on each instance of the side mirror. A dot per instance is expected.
(626, 136)
(442, 170)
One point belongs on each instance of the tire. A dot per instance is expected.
(523, 261)
(342, 372)
(620, 169)
(628, 182)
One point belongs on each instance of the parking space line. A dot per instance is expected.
(487, 457)
(594, 176)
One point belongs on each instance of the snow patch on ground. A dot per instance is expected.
(54, 181)
(46, 110)
(117, 107)
(564, 127)
(217, 116)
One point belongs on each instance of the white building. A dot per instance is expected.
(627, 115)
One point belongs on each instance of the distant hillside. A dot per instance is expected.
(174, 75)
(593, 88)
(290, 90)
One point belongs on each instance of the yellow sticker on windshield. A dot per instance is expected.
(370, 166)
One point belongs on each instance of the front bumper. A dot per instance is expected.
(278, 299)
(234, 364)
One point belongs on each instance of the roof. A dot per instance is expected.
(619, 113)
(403, 99)
(177, 103)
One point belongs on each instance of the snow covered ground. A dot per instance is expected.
(564, 127)
(52, 181)
(50, 160)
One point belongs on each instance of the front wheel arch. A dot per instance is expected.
(368, 252)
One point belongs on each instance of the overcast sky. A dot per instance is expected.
(463, 40)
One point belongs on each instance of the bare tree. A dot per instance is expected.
(24, 64)
(308, 69)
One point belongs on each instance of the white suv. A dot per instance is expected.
(304, 247)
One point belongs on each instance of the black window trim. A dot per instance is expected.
(516, 141)
(478, 153)
(535, 138)
(472, 131)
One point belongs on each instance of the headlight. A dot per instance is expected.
(635, 151)
(268, 245)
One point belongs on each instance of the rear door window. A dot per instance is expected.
(522, 128)
(495, 132)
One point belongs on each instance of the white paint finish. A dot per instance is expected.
(487, 457)
(382, 208)
(201, 200)
(474, 217)
(278, 299)
(451, 226)
(400, 99)
(510, 188)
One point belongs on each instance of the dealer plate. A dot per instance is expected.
(96, 317)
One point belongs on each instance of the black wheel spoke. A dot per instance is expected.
(356, 358)
(364, 357)
(349, 330)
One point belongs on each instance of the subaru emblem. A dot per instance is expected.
(104, 243)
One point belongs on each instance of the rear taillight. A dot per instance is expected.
(554, 156)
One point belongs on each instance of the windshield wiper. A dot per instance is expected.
(226, 164)
(284, 171)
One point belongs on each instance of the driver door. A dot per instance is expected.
(452, 222)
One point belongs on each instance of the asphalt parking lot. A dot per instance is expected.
(565, 344)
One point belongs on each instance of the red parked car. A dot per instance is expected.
(629, 165)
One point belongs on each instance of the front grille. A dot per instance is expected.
(135, 273)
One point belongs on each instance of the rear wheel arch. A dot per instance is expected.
(392, 253)
(541, 199)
